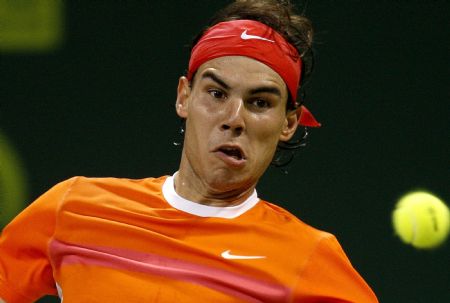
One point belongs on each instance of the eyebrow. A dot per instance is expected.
(266, 89)
(262, 89)
(215, 78)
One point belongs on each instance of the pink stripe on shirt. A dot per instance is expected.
(239, 286)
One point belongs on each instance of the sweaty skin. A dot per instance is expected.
(235, 111)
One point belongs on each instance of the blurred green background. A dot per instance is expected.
(94, 95)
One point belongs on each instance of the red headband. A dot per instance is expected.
(254, 40)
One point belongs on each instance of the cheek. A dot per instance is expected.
(198, 128)
(202, 111)
(269, 128)
(267, 135)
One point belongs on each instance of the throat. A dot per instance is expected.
(201, 193)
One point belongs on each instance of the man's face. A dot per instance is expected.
(235, 115)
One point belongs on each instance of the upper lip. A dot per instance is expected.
(236, 147)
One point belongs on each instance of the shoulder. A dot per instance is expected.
(81, 191)
(300, 232)
(323, 265)
(80, 183)
(278, 215)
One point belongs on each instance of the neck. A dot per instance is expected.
(193, 188)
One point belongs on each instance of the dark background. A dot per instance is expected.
(103, 105)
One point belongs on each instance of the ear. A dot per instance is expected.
(183, 93)
(289, 126)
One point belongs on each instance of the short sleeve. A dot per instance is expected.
(328, 276)
(25, 270)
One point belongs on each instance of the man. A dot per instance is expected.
(201, 235)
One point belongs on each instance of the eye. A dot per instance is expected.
(260, 103)
(216, 93)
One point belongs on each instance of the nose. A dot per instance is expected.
(234, 116)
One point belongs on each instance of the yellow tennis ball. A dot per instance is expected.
(421, 219)
(13, 185)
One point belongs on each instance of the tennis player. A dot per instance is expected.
(201, 234)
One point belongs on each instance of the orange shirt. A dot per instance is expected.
(121, 240)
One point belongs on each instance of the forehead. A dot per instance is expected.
(243, 71)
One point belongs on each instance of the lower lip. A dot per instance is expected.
(237, 163)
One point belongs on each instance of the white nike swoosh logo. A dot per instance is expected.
(227, 255)
(245, 36)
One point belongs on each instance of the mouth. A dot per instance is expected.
(233, 152)
(232, 155)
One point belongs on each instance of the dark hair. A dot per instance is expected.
(297, 30)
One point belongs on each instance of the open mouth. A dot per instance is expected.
(233, 152)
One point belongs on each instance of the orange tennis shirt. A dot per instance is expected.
(121, 240)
